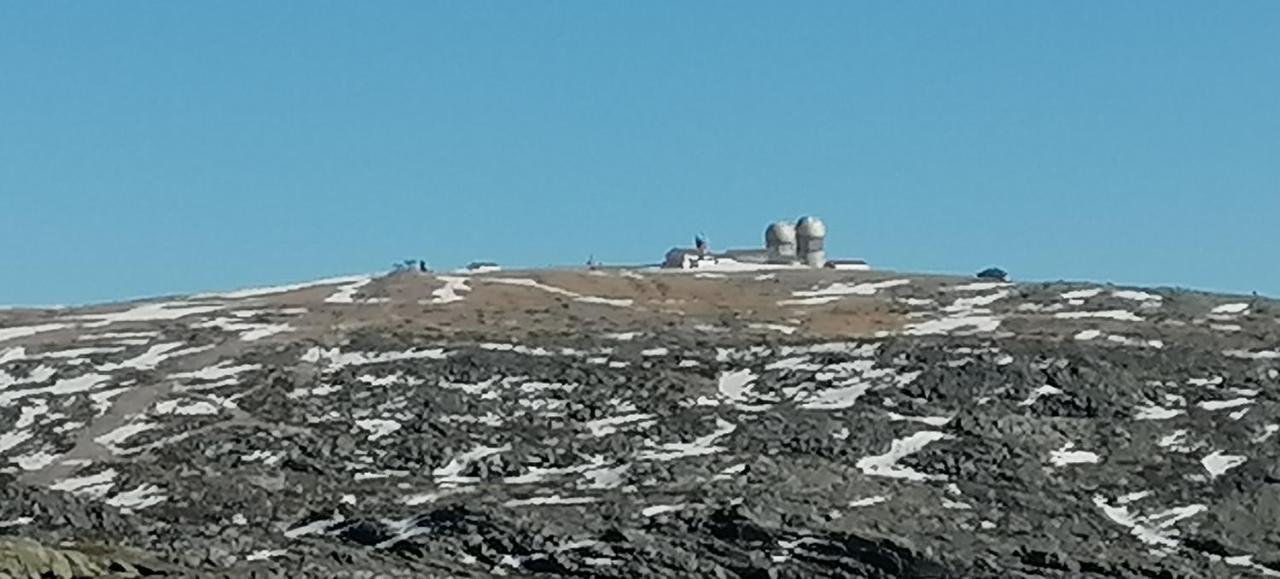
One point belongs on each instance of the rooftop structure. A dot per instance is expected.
(799, 245)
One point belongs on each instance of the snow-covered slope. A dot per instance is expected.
(641, 422)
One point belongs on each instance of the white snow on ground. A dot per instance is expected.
(517, 348)
(605, 477)
(859, 349)
(966, 304)
(1066, 456)
(30, 413)
(35, 461)
(334, 358)
(63, 387)
(1223, 404)
(113, 439)
(1038, 393)
(264, 554)
(94, 485)
(866, 502)
(702, 446)
(1247, 561)
(978, 286)
(347, 293)
(1086, 335)
(654, 352)
(77, 353)
(1267, 432)
(622, 336)
(1230, 309)
(886, 464)
(18, 522)
(655, 510)
(102, 399)
(1175, 441)
(785, 329)
(141, 497)
(524, 282)
(736, 385)
(11, 439)
(551, 500)
(1122, 315)
(378, 427)
(265, 291)
(793, 363)
(1214, 381)
(844, 395)
(606, 426)
(843, 289)
(34, 376)
(178, 408)
(1136, 342)
(1137, 296)
(448, 293)
(974, 322)
(216, 372)
(11, 354)
(1081, 294)
(24, 331)
(1248, 355)
(249, 331)
(266, 456)
(450, 472)
(809, 301)
(1155, 529)
(935, 421)
(1217, 463)
(1156, 413)
(149, 313)
(154, 356)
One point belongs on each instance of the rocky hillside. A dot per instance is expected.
(631, 423)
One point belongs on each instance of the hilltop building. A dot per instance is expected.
(799, 245)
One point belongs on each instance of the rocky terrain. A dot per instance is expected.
(629, 423)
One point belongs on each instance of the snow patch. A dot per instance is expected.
(25, 331)
(1081, 294)
(1121, 315)
(1238, 308)
(1217, 463)
(1039, 393)
(843, 289)
(1137, 296)
(449, 292)
(1155, 529)
(1066, 456)
(886, 464)
(149, 313)
(279, 289)
(378, 427)
(347, 293)
(138, 498)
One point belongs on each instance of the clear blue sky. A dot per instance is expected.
(163, 147)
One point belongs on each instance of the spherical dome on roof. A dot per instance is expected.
(811, 227)
(780, 233)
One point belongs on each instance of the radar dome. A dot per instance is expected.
(780, 233)
(811, 227)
